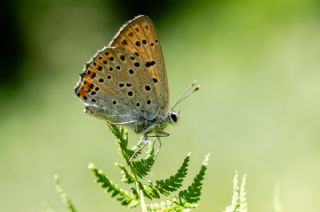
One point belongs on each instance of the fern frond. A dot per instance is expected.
(243, 195)
(122, 135)
(151, 191)
(189, 197)
(235, 197)
(121, 195)
(166, 206)
(171, 184)
(239, 200)
(135, 148)
(143, 166)
(64, 197)
(126, 176)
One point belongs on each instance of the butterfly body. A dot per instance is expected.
(125, 83)
(155, 125)
(140, 124)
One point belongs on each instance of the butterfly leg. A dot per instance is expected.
(158, 136)
(162, 134)
(145, 142)
(158, 150)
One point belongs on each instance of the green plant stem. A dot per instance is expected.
(142, 201)
(139, 191)
(137, 183)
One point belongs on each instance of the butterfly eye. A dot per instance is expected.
(174, 117)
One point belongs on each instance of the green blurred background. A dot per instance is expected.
(258, 110)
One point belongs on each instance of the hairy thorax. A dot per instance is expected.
(155, 125)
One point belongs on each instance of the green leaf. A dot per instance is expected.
(136, 149)
(143, 166)
(121, 195)
(64, 197)
(122, 136)
(189, 197)
(151, 191)
(120, 133)
(126, 176)
(171, 184)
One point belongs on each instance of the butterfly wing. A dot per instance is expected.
(115, 86)
(139, 36)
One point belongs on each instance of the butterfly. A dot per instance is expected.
(125, 83)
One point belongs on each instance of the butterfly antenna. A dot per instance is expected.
(190, 90)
